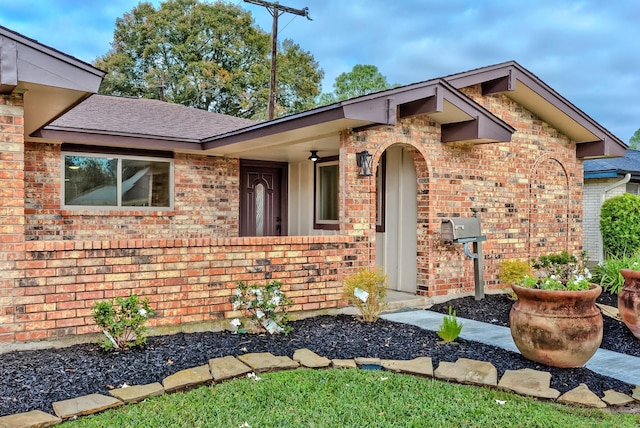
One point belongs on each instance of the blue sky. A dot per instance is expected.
(588, 51)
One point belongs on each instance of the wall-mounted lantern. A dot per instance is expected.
(364, 160)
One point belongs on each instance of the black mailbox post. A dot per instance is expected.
(466, 231)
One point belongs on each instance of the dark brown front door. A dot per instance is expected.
(263, 198)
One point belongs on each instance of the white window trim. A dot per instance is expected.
(118, 207)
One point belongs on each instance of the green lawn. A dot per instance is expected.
(348, 398)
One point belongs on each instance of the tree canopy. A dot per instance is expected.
(361, 80)
(210, 56)
(634, 141)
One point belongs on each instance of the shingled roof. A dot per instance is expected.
(614, 167)
(144, 118)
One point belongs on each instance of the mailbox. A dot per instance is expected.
(461, 230)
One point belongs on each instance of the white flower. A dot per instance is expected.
(238, 292)
(259, 314)
(142, 312)
(244, 425)
(236, 322)
(237, 304)
(500, 402)
(253, 376)
(275, 300)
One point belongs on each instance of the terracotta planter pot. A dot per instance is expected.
(556, 328)
(629, 300)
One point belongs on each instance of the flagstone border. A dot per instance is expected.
(526, 382)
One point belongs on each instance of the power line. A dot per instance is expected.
(276, 10)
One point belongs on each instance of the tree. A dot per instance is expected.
(210, 56)
(361, 80)
(634, 141)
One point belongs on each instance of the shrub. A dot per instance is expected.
(450, 328)
(266, 305)
(620, 225)
(608, 274)
(122, 321)
(513, 271)
(366, 290)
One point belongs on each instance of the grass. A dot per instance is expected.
(348, 398)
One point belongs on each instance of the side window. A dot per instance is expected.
(327, 175)
(95, 180)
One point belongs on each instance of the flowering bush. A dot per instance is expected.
(561, 271)
(122, 321)
(266, 305)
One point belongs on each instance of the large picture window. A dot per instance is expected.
(327, 174)
(95, 180)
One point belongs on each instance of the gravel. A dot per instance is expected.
(33, 380)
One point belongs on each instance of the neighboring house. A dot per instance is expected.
(604, 179)
(220, 199)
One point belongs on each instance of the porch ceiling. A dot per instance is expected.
(529, 91)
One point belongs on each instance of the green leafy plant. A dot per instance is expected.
(122, 321)
(620, 225)
(450, 328)
(559, 271)
(366, 290)
(266, 305)
(513, 271)
(607, 274)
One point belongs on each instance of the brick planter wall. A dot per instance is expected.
(186, 280)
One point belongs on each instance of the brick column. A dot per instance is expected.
(12, 238)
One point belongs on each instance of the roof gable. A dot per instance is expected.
(528, 90)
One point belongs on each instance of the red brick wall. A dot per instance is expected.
(206, 202)
(11, 208)
(529, 193)
(186, 280)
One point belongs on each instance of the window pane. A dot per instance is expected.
(145, 183)
(328, 189)
(90, 181)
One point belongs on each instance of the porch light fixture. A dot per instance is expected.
(314, 156)
(364, 160)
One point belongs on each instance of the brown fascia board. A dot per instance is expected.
(378, 108)
(18, 54)
(502, 78)
(117, 140)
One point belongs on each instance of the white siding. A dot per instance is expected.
(593, 198)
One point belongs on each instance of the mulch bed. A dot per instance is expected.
(35, 379)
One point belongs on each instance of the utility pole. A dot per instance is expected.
(276, 10)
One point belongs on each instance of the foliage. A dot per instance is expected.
(450, 328)
(122, 321)
(265, 303)
(559, 271)
(210, 56)
(607, 274)
(620, 225)
(366, 290)
(349, 398)
(361, 80)
(513, 271)
(634, 141)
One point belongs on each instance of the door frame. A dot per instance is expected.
(283, 167)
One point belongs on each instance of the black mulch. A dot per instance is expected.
(32, 380)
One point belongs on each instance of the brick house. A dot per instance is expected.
(106, 196)
(604, 179)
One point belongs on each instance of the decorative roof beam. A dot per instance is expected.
(596, 149)
(479, 130)
(501, 84)
(423, 106)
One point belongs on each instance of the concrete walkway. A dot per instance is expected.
(613, 364)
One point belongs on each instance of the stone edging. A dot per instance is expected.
(527, 382)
